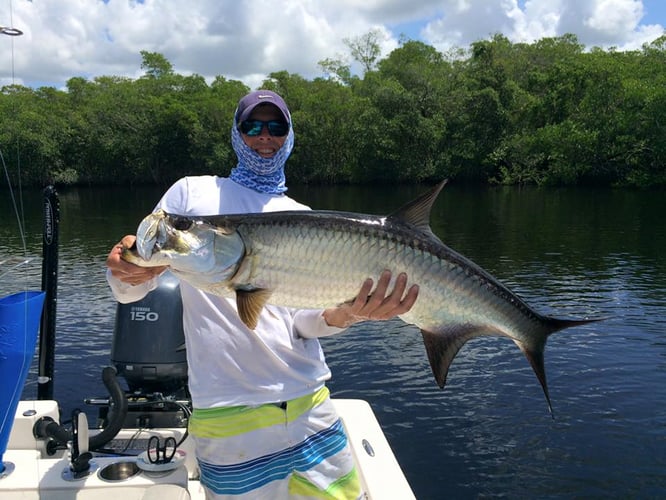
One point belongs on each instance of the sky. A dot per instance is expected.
(248, 39)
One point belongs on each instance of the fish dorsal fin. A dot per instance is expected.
(417, 212)
(250, 304)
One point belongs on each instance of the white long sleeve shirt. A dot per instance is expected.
(229, 364)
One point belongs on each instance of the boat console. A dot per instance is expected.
(39, 472)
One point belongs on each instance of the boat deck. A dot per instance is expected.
(32, 474)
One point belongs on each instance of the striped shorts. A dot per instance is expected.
(295, 450)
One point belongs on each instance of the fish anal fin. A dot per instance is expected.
(250, 303)
(443, 345)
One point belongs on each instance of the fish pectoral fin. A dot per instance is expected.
(443, 345)
(250, 304)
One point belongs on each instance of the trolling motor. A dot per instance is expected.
(46, 428)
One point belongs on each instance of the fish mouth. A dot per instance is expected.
(147, 235)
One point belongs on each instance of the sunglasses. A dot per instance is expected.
(253, 128)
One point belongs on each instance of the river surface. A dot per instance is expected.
(567, 252)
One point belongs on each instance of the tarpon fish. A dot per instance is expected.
(319, 259)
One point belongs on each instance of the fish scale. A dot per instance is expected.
(346, 258)
(342, 263)
(319, 259)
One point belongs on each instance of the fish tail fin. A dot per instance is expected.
(557, 324)
(534, 351)
(536, 359)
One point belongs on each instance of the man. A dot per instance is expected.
(263, 423)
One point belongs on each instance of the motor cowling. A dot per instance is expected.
(148, 347)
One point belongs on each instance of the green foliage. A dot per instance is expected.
(365, 48)
(550, 112)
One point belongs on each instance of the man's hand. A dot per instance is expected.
(126, 272)
(380, 304)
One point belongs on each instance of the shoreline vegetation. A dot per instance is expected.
(547, 113)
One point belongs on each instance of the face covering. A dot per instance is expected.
(265, 175)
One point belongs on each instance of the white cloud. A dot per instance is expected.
(613, 17)
(465, 21)
(595, 22)
(538, 19)
(248, 39)
(602, 22)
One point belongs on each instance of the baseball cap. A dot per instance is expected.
(254, 99)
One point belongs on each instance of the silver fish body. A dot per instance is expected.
(319, 259)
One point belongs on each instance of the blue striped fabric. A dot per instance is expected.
(241, 478)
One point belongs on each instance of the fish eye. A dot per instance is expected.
(181, 223)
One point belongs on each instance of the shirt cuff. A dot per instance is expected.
(126, 293)
(310, 323)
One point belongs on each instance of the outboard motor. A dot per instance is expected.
(148, 348)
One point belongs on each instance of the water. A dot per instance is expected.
(570, 252)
